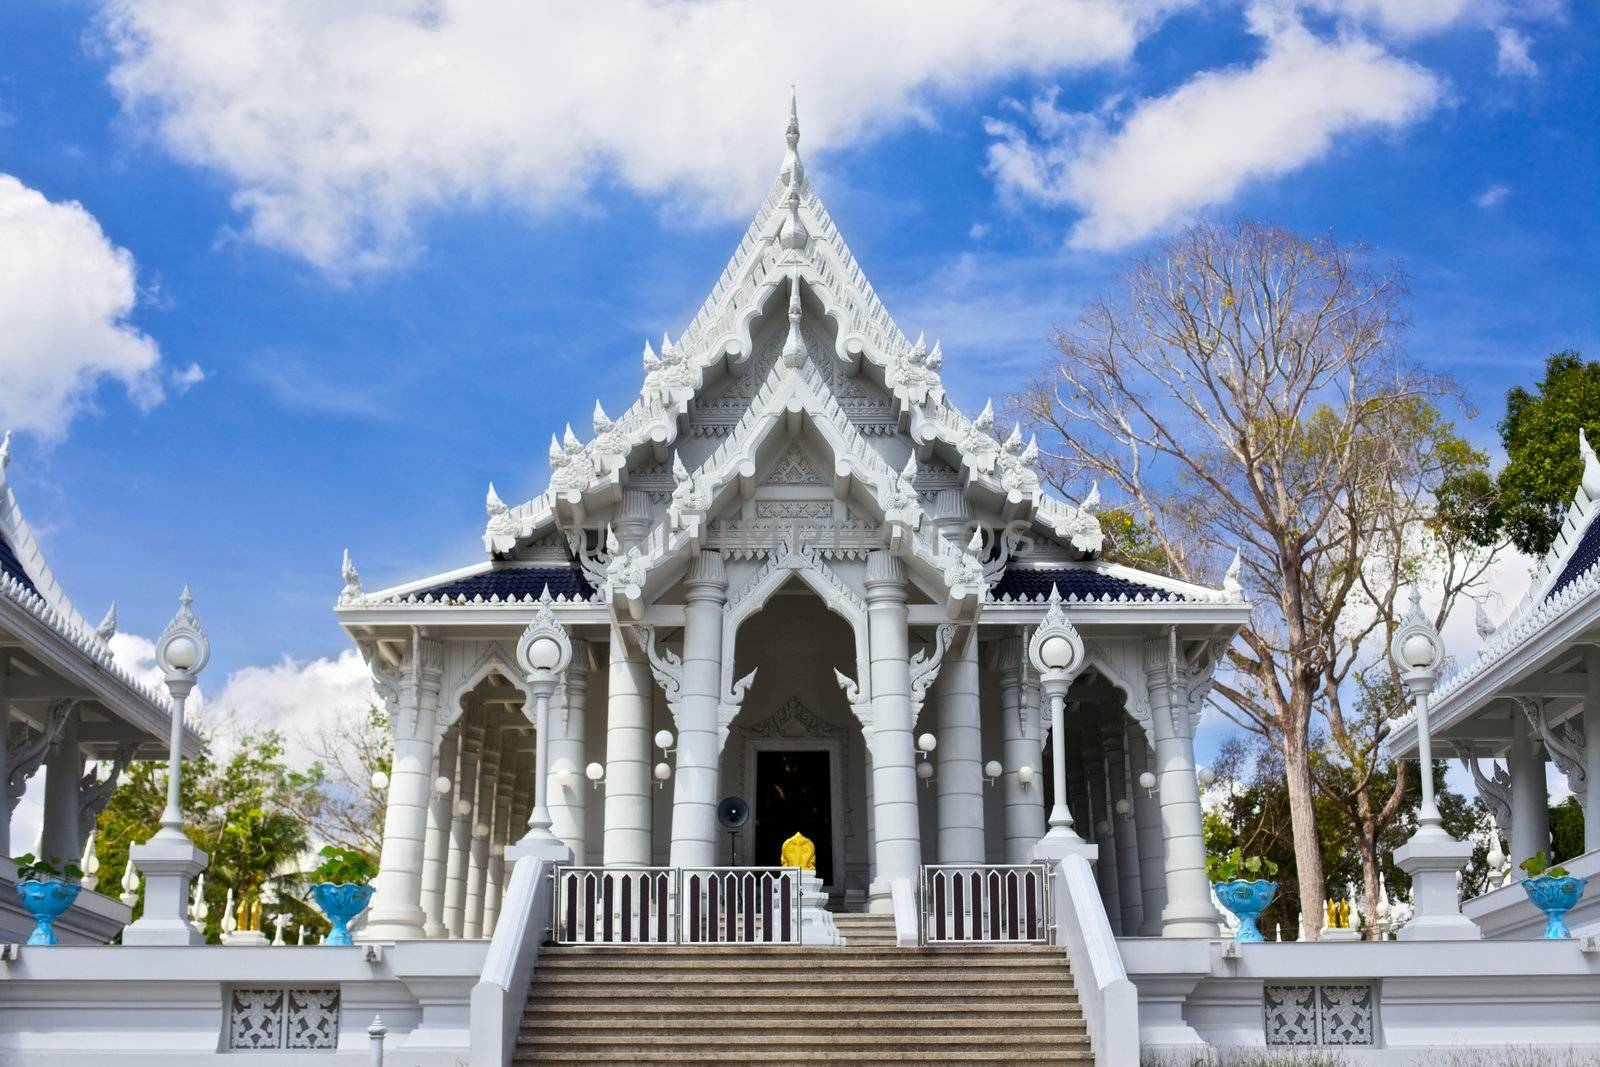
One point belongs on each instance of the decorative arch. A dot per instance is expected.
(1120, 662)
(803, 563)
(495, 658)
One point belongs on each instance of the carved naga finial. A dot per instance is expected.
(352, 579)
(108, 625)
(1591, 468)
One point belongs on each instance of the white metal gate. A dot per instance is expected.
(985, 903)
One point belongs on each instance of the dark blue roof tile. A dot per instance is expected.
(514, 582)
(1584, 556)
(10, 564)
(1081, 582)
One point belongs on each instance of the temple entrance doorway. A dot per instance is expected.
(794, 794)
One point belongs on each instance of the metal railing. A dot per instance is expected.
(614, 906)
(740, 905)
(985, 904)
(672, 905)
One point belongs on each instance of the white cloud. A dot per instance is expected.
(1492, 196)
(296, 698)
(1511, 53)
(1196, 147)
(188, 378)
(65, 296)
(340, 124)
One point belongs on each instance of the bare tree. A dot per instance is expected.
(346, 808)
(1239, 396)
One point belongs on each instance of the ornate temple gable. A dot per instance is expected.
(792, 242)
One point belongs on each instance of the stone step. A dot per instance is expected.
(888, 961)
(745, 988)
(819, 954)
(800, 1038)
(732, 972)
(1017, 1010)
(776, 1023)
(841, 1054)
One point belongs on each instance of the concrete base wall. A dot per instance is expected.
(62, 1005)
(1430, 995)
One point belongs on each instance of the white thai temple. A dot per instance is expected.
(793, 589)
(796, 555)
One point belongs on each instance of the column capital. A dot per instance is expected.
(707, 578)
(886, 573)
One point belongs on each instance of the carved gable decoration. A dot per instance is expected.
(793, 719)
(794, 468)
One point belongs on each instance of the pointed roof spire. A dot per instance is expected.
(5, 451)
(601, 422)
(792, 171)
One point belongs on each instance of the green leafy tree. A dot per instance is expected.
(240, 811)
(1526, 501)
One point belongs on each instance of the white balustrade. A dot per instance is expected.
(985, 903)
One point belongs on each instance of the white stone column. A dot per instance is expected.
(569, 804)
(1147, 820)
(462, 798)
(1529, 831)
(1189, 911)
(482, 827)
(695, 782)
(627, 813)
(894, 776)
(959, 754)
(397, 906)
(63, 770)
(1019, 731)
(500, 834)
(1129, 886)
(1099, 817)
(435, 860)
(1591, 752)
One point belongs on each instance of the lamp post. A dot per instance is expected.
(1056, 652)
(169, 860)
(543, 652)
(1431, 857)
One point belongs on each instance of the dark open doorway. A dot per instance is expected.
(794, 794)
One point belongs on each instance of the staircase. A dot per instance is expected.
(868, 1002)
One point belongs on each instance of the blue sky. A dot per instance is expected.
(375, 258)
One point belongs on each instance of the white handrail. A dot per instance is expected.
(906, 931)
(501, 996)
(1110, 1001)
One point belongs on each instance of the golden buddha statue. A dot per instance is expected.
(798, 851)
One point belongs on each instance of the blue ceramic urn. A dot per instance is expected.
(341, 902)
(45, 900)
(1555, 897)
(1247, 899)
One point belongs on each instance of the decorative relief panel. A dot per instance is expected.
(278, 1018)
(1346, 1014)
(794, 509)
(1341, 1015)
(794, 468)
